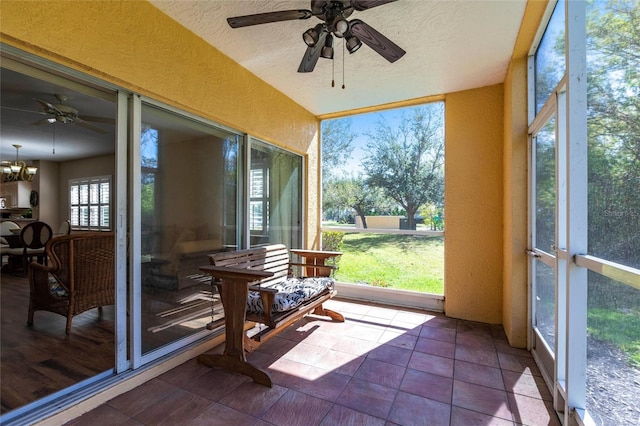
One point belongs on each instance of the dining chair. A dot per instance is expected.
(34, 237)
(65, 228)
(5, 229)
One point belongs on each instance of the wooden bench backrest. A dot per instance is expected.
(273, 258)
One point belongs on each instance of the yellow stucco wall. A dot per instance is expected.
(515, 279)
(135, 46)
(473, 200)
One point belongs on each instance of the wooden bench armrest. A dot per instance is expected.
(242, 274)
(312, 265)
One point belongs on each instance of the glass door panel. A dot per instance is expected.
(275, 196)
(189, 175)
(544, 237)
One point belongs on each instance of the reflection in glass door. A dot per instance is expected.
(275, 196)
(544, 263)
(188, 192)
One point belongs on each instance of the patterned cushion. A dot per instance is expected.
(292, 293)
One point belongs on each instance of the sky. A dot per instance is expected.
(366, 123)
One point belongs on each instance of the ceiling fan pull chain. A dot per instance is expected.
(54, 139)
(343, 64)
(333, 72)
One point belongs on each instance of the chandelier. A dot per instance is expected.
(18, 170)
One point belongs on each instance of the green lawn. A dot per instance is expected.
(407, 262)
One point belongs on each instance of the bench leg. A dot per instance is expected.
(234, 300)
(237, 366)
(328, 313)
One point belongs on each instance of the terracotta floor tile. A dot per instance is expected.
(306, 354)
(296, 408)
(217, 414)
(478, 340)
(435, 347)
(442, 334)
(370, 334)
(184, 373)
(403, 340)
(485, 400)
(478, 355)
(532, 411)
(381, 312)
(460, 416)
(344, 416)
(136, 400)
(340, 362)
(367, 397)
(526, 384)
(405, 327)
(392, 354)
(104, 414)
(179, 408)
(277, 346)
(441, 322)
(477, 328)
(519, 364)
(321, 383)
(215, 384)
(431, 364)
(380, 372)
(407, 409)
(252, 398)
(478, 374)
(380, 367)
(428, 385)
(354, 345)
(412, 317)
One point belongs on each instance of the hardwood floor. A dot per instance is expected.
(40, 360)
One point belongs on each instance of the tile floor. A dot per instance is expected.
(383, 366)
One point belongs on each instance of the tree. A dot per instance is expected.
(613, 84)
(354, 193)
(407, 161)
(336, 145)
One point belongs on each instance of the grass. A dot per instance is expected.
(619, 328)
(406, 262)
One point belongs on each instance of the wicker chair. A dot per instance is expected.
(80, 275)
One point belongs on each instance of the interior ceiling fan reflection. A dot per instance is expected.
(62, 112)
(319, 39)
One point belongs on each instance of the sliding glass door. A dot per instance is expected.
(188, 201)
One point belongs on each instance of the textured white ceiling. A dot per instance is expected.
(451, 45)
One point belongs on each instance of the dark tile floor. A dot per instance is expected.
(383, 366)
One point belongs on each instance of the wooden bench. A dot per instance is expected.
(254, 278)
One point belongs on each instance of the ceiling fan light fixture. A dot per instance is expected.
(340, 26)
(312, 35)
(51, 119)
(327, 49)
(353, 44)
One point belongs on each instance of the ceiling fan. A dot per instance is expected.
(319, 39)
(64, 113)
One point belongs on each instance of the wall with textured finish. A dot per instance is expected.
(515, 298)
(473, 200)
(134, 45)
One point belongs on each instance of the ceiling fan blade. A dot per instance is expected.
(25, 110)
(81, 122)
(98, 119)
(40, 122)
(368, 4)
(372, 38)
(311, 56)
(265, 18)
(48, 106)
